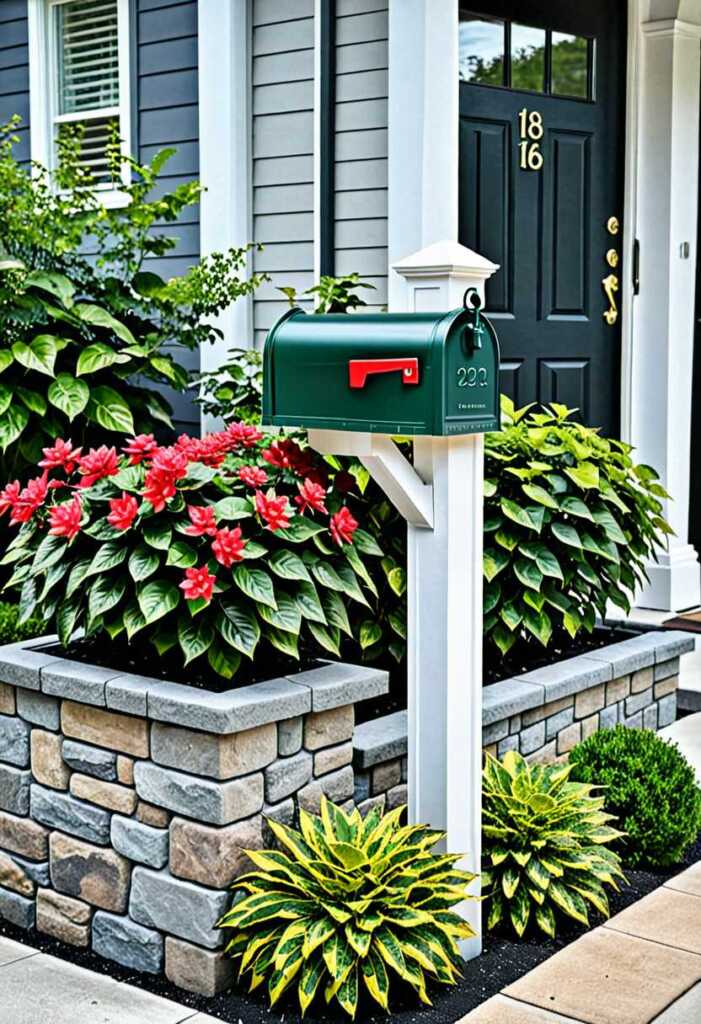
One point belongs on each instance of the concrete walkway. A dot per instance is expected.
(686, 733)
(642, 966)
(40, 989)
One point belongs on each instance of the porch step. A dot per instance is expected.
(687, 734)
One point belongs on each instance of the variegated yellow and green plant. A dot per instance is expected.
(544, 845)
(345, 905)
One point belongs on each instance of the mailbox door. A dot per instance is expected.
(470, 382)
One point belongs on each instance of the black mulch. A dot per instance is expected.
(502, 962)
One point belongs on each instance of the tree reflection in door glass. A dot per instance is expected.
(481, 50)
(527, 58)
(570, 59)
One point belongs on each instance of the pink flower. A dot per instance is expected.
(202, 519)
(252, 476)
(158, 489)
(30, 499)
(275, 511)
(311, 496)
(228, 546)
(65, 518)
(210, 450)
(9, 496)
(97, 464)
(286, 454)
(141, 447)
(243, 435)
(62, 454)
(343, 526)
(123, 511)
(198, 583)
(171, 462)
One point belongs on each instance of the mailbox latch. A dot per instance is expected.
(360, 369)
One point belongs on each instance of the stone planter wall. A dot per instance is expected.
(126, 802)
(546, 712)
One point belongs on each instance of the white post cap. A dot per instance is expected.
(443, 259)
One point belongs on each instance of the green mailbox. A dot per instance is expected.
(383, 373)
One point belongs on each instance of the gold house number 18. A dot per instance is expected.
(530, 129)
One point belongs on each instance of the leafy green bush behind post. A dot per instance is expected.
(82, 352)
(346, 905)
(570, 521)
(544, 845)
(11, 630)
(650, 787)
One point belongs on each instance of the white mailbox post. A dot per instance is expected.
(440, 496)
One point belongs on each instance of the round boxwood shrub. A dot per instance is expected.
(650, 787)
(11, 630)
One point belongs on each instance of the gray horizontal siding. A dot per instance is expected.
(282, 74)
(360, 180)
(167, 114)
(14, 70)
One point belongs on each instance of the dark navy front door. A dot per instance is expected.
(541, 132)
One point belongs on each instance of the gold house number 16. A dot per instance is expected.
(530, 129)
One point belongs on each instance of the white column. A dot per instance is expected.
(445, 599)
(663, 334)
(224, 128)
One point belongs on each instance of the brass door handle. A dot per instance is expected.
(610, 285)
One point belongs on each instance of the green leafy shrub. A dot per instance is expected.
(332, 294)
(650, 787)
(11, 630)
(570, 521)
(234, 390)
(82, 350)
(544, 849)
(347, 904)
(218, 548)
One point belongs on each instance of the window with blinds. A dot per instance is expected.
(86, 37)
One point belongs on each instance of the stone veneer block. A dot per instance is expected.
(508, 743)
(18, 910)
(397, 796)
(561, 720)
(48, 766)
(608, 717)
(110, 795)
(63, 918)
(95, 761)
(141, 843)
(23, 836)
(95, 875)
(642, 679)
(333, 758)
(638, 702)
(617, 689)
(495, 732)
(532, 738)
(668, 685)
(380, 739)
(283, 813)
(544, 754)
(569, 737)
(110, 729)
(21, 664)
(509, 697)
(219, 757)
(567, 677)
(197, 970)
(178, 907)
(38, 709)
(14, 789)
(64, 812)
(129, 943)
(289, 734)
(336, 684)
(590, 726)
(14, 741)
(634, 722)
(666, 669)
(75, 680)
(129, 693)
(666, 710)
(337, 787)
(148, 814)
(232, 711)
(218, 803)
(8, 704)
(19, 876)
(324, 728)
(386, 776)
(650, 717)
(213, 856)
(544, 711)
(125, 770)
(286, 775)
(589, 701)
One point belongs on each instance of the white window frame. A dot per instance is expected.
(43, 89)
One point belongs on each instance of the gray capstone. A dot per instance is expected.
(532, 738)
(564, 678)
(81, 757)
(21, 663)
(14, 741)
(638, 701)
(666, 710)
(608, 717)
(62, 811)
(336, 684)
(121, 939)
(177, 907)
(38, 709)
(558, 721)
(218, 803)
(141, 843)
(74, 680)
(495, 732)
(380, 739)
(508, 743)
(286, 775)
(289, 736)
(509, 697)
(650, 717)
(14, 789)
(16, 909)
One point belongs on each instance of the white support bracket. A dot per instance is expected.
(410, 495)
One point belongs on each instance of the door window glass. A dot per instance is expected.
(527, 58)
(481, 50)
(569, 65)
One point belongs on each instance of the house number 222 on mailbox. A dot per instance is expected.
(530, 130)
